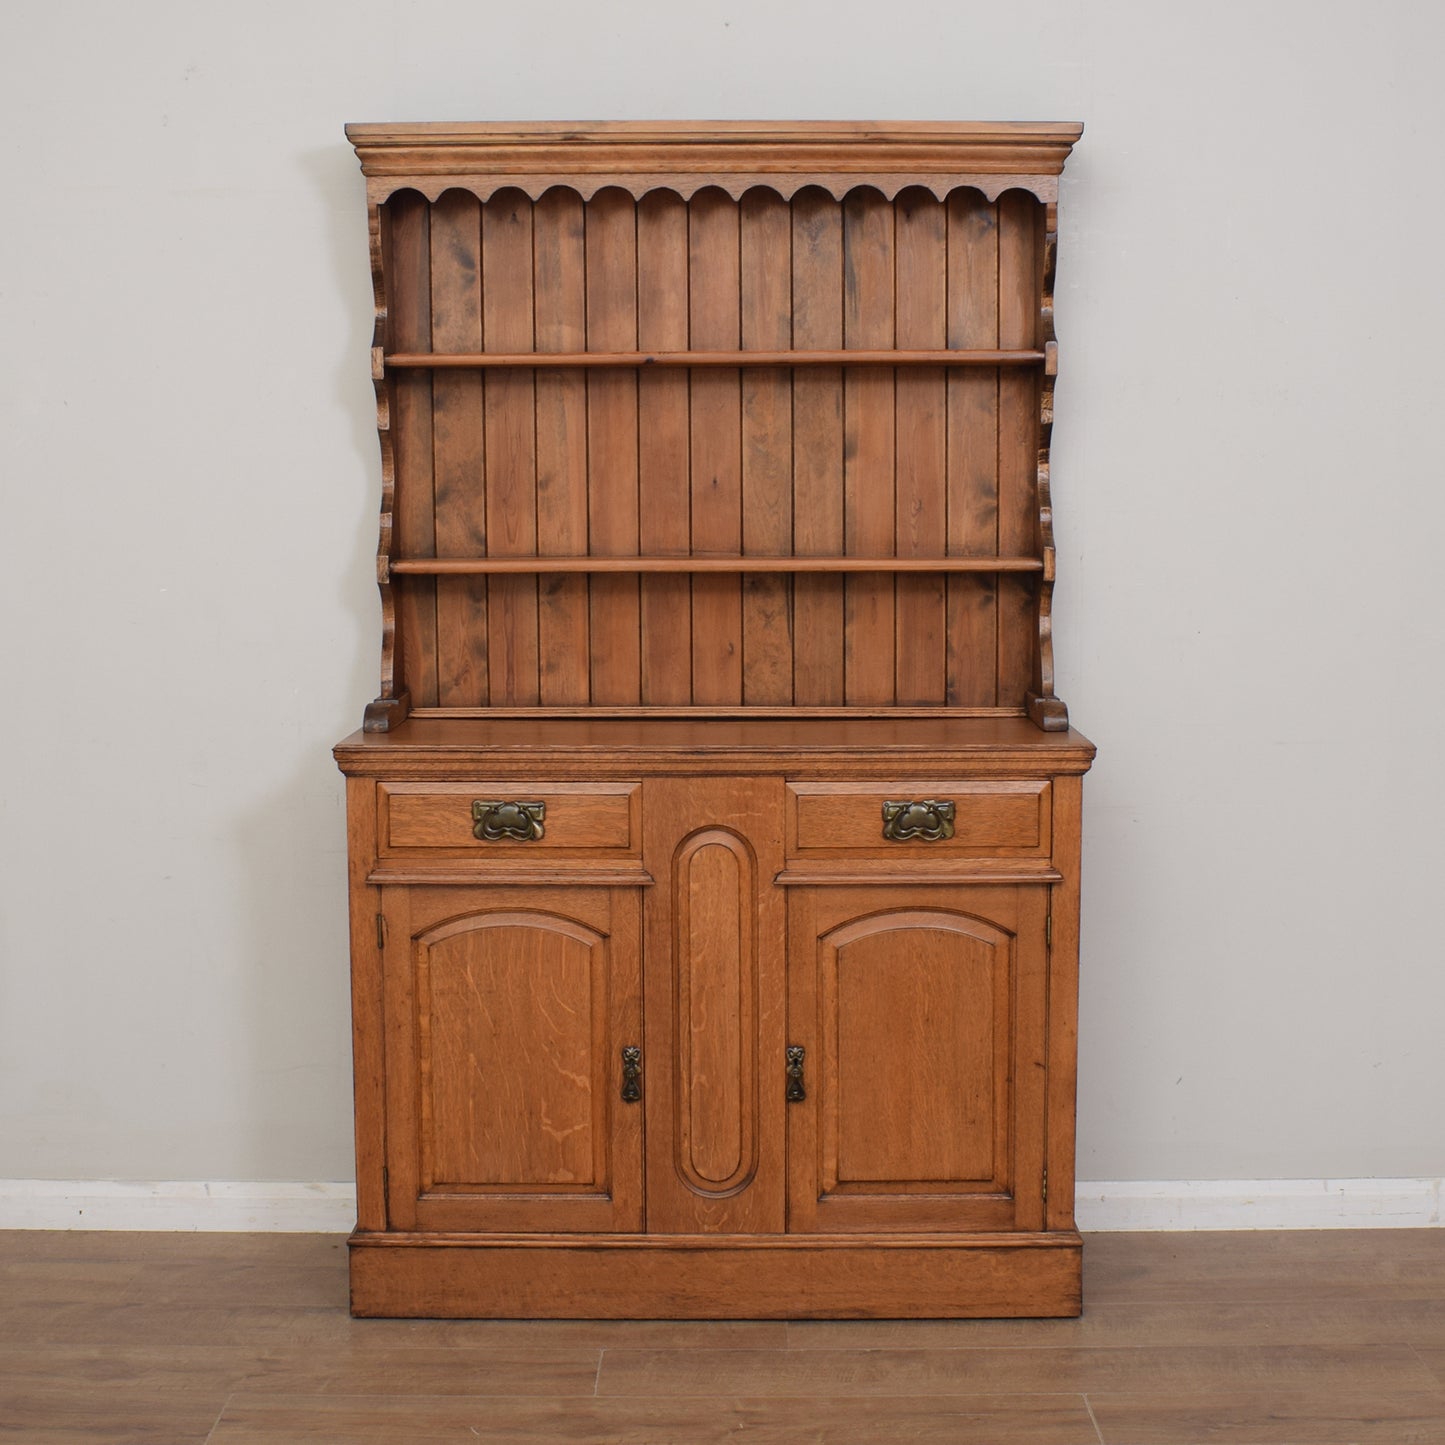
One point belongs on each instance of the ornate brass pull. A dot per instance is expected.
(796, 1093)
(494, 821)
(631, 1074)
(928, 819)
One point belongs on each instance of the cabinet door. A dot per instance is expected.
(507, 1010)
(922, 1014)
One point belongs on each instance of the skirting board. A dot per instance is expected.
(1101, 1207)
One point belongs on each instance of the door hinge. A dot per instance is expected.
(1049, 927)
(380, 932)
(1046, 1184)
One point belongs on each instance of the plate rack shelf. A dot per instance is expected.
(766, 438)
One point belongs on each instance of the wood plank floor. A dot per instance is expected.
(1232, 1339)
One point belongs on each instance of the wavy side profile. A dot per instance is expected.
(1047, 710)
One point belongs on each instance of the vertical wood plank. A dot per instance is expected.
(560, 310)
(1018, 320)
(408, 281)
(817, 448)
(766, 261)
(713, 306)
(368, 1004)
(662, 460)
(459, 449)
(511, 426)
(868, 478)
(972, 662)
(1063, 1002)
(921, 402)
(612, 502)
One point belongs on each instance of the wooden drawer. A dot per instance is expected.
(986, 819)
(485, 819)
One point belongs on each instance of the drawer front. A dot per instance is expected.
(510, 820)
(920, 819)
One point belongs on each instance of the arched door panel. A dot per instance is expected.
(507, 1014)
(922, 1018)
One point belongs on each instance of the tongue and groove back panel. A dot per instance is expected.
(673, 464)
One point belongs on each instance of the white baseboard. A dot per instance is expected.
(178, 1205)
(1123, 1205)
(1258, 1204)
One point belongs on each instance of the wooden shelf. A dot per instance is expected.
(478, 360)
(471, 566)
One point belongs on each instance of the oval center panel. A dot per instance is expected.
(715, 989)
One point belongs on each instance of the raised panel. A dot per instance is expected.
(512, 1020)
(714, 958)
(918, 1004)
(507, 1010)
(923, 1024)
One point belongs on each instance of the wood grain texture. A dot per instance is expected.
(996, 820)
(954, 1420)
(579, 817)
(516, 1005)
(736, 155)
(715, 1005)
(834, 1373)
(720, 524)
(159, 1337)
(869, 482)
(406, 230)
(1063, 1004)
(511, 455)
(459, 452)
(1019, 270)
(921, 304)
(560, 319)
(767, 443)
(367, 1006)
(817, 460)
(584, 747)
(716, 409)
(1044, 707)
(612, 446)
(972, 448)
(923, 1021)
(771, 364)
(462, 566)
(664, 458)
(714, 1277)
(667, 357)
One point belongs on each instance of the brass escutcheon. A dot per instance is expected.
(795, 1092)
(631, 1074)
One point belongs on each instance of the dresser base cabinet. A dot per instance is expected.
(690, 1277)
(730, 1020)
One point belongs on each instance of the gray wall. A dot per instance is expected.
(1249, 506)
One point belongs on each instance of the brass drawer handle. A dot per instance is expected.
(631, 1074)
(928, 819)
(795, 1093)
(492, 822)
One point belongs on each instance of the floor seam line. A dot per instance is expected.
(230, 1395)
(1093, 1419)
